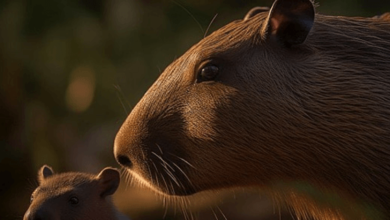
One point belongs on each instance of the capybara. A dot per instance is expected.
(74, 196)
(287, 100)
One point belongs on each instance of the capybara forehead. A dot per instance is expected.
(66, 181)
(232, 36)
(227, 42)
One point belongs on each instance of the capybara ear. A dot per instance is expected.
(254, 11)
(289, 21)
(109, 179)
(44, 173)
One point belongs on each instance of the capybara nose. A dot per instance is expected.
(121, 154)
(122, 148)
(124, 160)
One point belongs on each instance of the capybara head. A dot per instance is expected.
(216, 108)
(73, 196)
(283, 95)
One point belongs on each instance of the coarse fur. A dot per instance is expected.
(300, 107)
(74, 196)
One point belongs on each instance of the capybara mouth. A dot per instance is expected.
(158, 163)
(163, 175)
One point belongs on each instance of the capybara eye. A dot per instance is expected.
(74, 200)
(208, 73)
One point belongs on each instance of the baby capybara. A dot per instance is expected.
(287, 100)
(74, 196)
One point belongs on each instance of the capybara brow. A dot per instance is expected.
(287, 100)
(74, 196)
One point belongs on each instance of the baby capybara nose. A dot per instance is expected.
(124, 160)
(33, 215)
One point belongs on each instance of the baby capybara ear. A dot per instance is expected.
(44, 173)
(109, 179)
(289, 21)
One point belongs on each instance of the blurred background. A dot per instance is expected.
(71, 71)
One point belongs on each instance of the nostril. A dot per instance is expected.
(124, 161)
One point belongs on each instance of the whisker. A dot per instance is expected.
(123, 174)
(160, 149)
(185, 161)
(164, 162)
(181, 6)
(173, 203)
(33, 184)
(178, 179)
(165, 206)
(127, 178)
(172, 177)
(173, 189)
(208, 27)
(185, 175)
(155, 174)
(187, 204)
(150, 172)
(183, 209)
(143, 155)
(215, 215)
(159, 69)
(165, 182)
(223, 215)
(122, 98)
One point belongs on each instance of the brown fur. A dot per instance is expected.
(74, 196)
(308, 122)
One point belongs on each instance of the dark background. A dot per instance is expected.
(71, 71)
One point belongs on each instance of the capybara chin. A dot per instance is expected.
(74, 196)
(290, 101)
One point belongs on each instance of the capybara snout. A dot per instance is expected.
(293, 102)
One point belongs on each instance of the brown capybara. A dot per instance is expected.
(290, 101)
(74, 196)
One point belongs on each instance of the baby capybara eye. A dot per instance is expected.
(74, 200)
